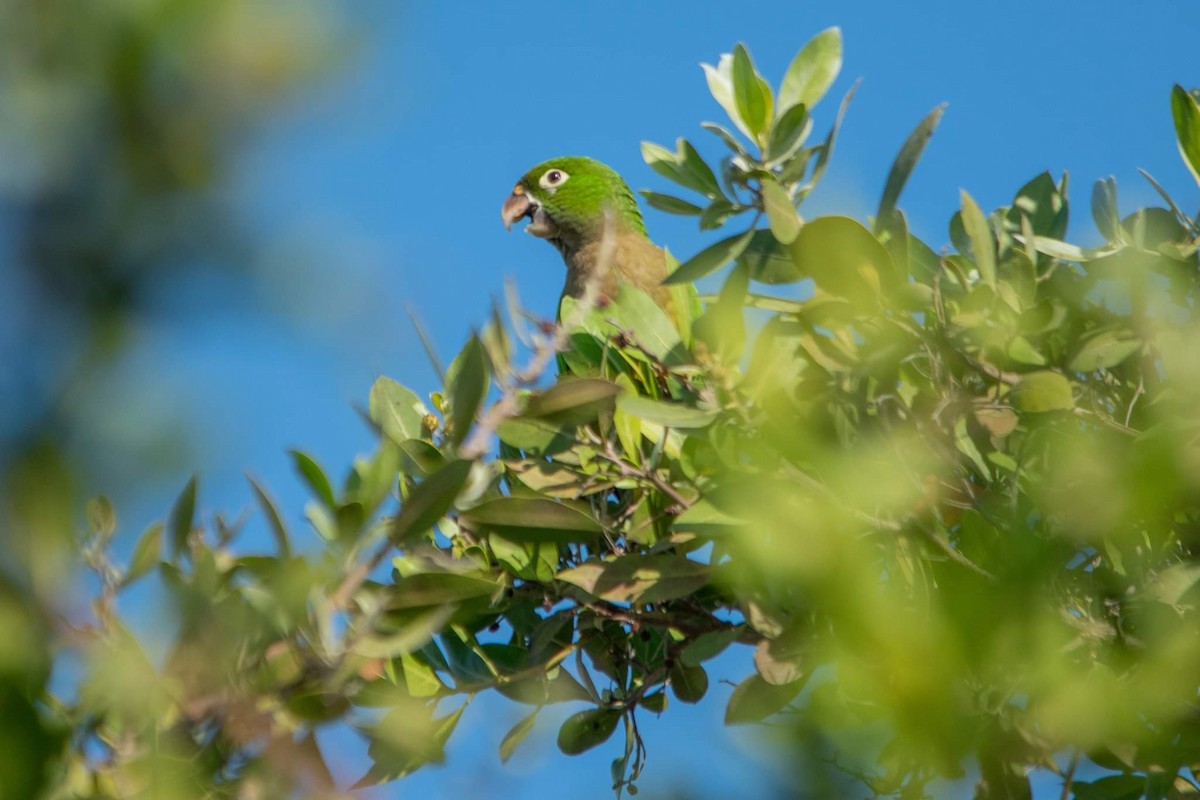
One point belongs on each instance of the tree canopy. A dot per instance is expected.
(950, 500)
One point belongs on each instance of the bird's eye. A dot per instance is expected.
(552, 178)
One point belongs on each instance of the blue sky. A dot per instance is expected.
(381, 191)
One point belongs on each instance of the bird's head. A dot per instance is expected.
(568, 200)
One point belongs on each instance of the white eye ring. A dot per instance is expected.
(552, 178)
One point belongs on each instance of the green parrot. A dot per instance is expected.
(569, 202)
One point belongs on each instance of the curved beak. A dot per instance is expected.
(517, 206)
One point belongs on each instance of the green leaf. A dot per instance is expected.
(781, 214)
(533, 519)
(725, 135)
(1021, 350)
(1043, 204)
(1187, 128)
(516, 735)
(1104, 350)
(416, 632)
(754, 700)
(704, 519)
(574, 401)
(671, 414)
(1104, 208)
(429, 500)
(685, 166)
(751, 94)
(146, 553)
(274, 521)
(1042, 391)
(710, 259)
(639, 579)
(398, 412)
(467, 382)
(441, 588)
(587, 729)
(689, 683)
(182, 517)
(720, 86)
(671, 205)
(843, 258)
(825, 150)
(535, 437)
(708, 645)
(906, 161)
(315, 477)
(788, 133)
(635, 314)
(983, 246)
(812, 71)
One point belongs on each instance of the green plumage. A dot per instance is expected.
(589, 213)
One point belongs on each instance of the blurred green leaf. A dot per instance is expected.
(812, 71)
(673, 415)
(671, 205)
(146, 553)
(1104, 350)
(182, 518)
(512, 740)
(429, 500)
(906, 161)
(530, 519)
(574, 401)
(785, 222)
(1043, 391)
(1186, 113)
(707, 645)
(467, 383)
(753, 700)
(843, 258)
(315, 477)
(1104, 208)
(689, 683)
(710, 259)
(398, 412)
(274, 521)
(587, 729)
(983, 247)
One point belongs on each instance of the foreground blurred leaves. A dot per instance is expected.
(951, 502)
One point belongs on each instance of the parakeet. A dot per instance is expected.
(570, 201)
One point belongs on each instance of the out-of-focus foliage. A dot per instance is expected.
(950, 500)
(118, 121)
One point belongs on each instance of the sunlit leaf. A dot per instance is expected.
(1186, 113)
(785, 222)
(812, 71)
(398, 412)
(751, 94)
(638, 579)
(574, 401)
